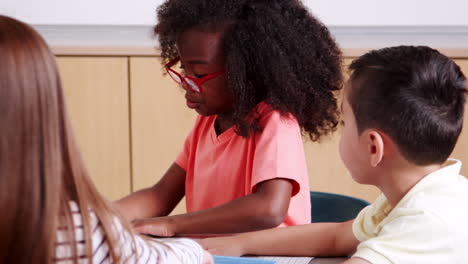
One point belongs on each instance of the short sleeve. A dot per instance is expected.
(410, 237)
(279, 151)
(366, 223)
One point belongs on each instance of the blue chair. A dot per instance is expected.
(331, 207)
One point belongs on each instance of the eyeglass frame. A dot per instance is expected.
(197, 81)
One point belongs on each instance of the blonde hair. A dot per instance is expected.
(41, 170)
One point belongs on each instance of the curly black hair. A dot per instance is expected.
(275, 51)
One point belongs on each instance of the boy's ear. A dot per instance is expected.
(375, 147)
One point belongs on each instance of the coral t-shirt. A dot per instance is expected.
(221, 168)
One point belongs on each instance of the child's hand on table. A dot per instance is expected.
(163, 227)
(157, 226)
(207, 258)
(224, 246)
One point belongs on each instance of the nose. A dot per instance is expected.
(189, 87)
(188, 90)
(186, 87)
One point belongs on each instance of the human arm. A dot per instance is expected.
(158, 200)
(266, 208)
(317, 239)
(179, 250)
(114, 236)
(136, 249)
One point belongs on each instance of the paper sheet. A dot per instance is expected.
(288, 260)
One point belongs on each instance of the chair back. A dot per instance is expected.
(331, 207)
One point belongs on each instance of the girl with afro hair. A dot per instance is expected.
(259, 73)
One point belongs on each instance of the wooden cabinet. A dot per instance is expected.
(96, 92)
(160, 122)
(131, 123)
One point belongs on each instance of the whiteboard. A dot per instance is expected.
(331, 12)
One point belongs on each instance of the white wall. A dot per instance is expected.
(331, 12)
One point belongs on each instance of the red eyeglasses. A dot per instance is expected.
(194, 83)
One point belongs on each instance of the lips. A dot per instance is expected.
(192, 103)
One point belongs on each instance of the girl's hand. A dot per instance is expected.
(158, 226)
(224, 246)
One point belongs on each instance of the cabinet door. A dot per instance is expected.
(160, 122)
(96, 91)
(461, 149)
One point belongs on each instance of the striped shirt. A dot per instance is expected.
(168, 250)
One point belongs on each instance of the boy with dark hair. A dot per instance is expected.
(403, 112)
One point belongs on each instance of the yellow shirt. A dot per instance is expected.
(429, 225)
